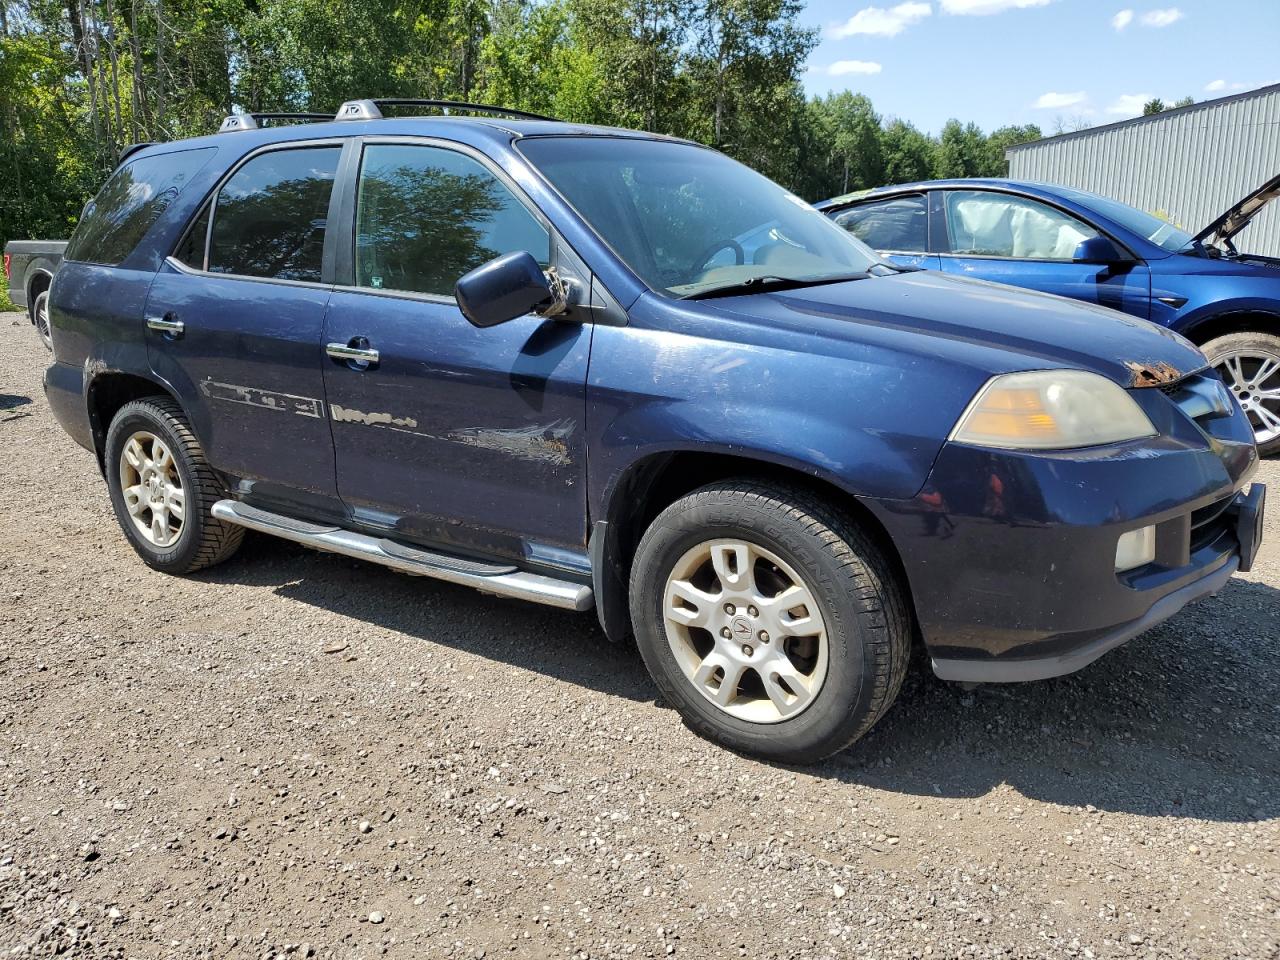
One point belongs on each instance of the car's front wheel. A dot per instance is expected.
(769, 619)
(1250, 364)
(40, 319)
(162, 489)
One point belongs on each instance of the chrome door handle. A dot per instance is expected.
(165, 325)
(341, 351)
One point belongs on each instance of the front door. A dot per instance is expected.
(1010, 239)
(235, 322)
(454, 435)
(895, 227)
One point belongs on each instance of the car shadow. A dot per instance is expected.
(14, 402)
(1180, 722)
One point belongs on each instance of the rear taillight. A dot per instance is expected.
(6, 266)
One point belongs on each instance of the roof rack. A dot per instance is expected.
(252, 121)
(372, 109)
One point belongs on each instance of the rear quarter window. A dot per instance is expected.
(133, 199)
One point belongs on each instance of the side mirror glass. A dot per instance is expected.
(506, 287)
(1097, 250)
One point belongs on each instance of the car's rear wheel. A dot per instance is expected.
(162, 489)
(769, 620)
(1250, 365)
(40, 319)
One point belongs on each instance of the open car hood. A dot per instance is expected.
(1238, 215)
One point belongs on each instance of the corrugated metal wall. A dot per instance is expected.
(1191, 163)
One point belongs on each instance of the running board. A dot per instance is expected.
(504, 581)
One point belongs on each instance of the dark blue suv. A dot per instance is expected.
(607, 370)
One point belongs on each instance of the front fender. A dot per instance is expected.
(869, 420)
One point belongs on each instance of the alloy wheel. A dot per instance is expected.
(42, 322)
(745, 630)
(1254, 377)
(152, 489)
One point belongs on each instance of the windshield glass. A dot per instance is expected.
(1160, 232)
(688, 220)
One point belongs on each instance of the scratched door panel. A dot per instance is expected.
(459, 435)
(248, 367)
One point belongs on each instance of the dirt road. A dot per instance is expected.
(297, 754)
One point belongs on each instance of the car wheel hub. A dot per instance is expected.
(152, 489)
(1254, 378)
(745, 630)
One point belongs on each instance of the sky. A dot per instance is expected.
(1049, 62)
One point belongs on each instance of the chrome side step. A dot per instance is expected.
(505, 581)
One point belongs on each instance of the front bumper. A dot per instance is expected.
(1010, 556)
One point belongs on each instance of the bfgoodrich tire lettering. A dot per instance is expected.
(861, 605)
(157, 426)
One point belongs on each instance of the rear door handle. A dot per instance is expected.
(167, 325)
(354, 352)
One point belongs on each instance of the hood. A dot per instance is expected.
(1240, 214)
(989, 326)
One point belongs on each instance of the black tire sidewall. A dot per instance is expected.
(141, 416)
(1218, 347)
(845, 699)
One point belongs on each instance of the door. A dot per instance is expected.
(1010, 239)
(235, 320)
(446, 433)
(895, 227)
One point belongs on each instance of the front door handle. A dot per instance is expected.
(168, 325)
(355, 352)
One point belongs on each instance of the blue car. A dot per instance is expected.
(1095, 249)
(616, 372)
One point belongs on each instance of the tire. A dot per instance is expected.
(194, 540)
(40, 320)
(1239, 357)
(787, 534)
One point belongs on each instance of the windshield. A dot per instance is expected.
(1160, 232)
(688, 220)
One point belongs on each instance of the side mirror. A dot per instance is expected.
(506, 287)
(1098, 250)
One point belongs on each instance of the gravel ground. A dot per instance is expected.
(297, 754)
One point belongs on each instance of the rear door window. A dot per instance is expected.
(133, 199)
(269, 218)
(427, 215)
(896, 225)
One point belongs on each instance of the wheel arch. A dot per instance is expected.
(1239, 320)
(653, 483)
(107, 392)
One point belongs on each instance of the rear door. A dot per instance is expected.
(1013, 239)
(895, 227)
(452, 435)
(235, 323)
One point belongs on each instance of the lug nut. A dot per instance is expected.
(746, 650)
(764, 636)
(724, 632)
(730, 609)
(752, 611)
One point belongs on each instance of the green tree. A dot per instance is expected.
(1155, 105)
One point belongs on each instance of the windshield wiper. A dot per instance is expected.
(770, 284)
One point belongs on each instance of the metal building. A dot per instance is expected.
(1187, 164)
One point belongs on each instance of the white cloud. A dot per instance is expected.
(844, 67)
(979, 8)
(1122, 19)
(1161, 18)
(1060, 101)
(1130, 104)
(881, 21)
(1217, 86)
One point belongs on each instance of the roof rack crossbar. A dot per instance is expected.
(252, 121)
(372, 109)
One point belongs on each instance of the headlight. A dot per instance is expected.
(1051, 410)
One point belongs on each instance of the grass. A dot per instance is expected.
(5, 303)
